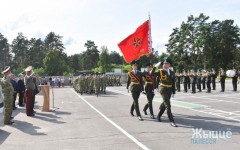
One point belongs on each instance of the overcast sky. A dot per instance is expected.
(106, 22)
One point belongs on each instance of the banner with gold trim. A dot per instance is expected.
(137, 44)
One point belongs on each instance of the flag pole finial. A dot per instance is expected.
(149, 14)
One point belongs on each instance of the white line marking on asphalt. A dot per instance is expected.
(114, 124)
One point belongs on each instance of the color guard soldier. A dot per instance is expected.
(204, 81)
(222, 80)
(166, 88)
(134, 84)
(193, 81)
(150, 89)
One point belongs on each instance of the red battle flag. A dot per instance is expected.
(137, 44)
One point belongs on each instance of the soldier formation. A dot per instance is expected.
(94, 83)
(202, 78)
(167, 82)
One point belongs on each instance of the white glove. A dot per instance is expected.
(173, 95)
(143, 92)
(158, 64)
(127, 91)
(155, 91)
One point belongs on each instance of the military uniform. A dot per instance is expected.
(134, 84)
(188, 81)
(214, 75)
(104, 84)
(178, 82)
(234, 81)
(80, 83)
(185, 81)
(193, 82)
(30, 87)
(199, 82)
(7, 91)
(96, 82)
(149, 88)
(208, 83)
(222, 80)
(166, 89)
(203, 81)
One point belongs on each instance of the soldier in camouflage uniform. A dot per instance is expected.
(7, 91)
(96, 82)
(104, 83)
(80, 83)
(89, 83)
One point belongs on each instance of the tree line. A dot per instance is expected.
(200, 44)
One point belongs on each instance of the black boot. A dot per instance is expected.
(138, 114)
(131, 110)
(171, 118)
(145, 109)
(160, 114)
(151, 112)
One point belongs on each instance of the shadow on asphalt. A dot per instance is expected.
(4, 136)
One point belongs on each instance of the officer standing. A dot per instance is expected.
(150, 89)
(167, 88)
(234, 80)
(222, 80)
(208, 82)
(104, 83)
(30, 87)
(204, 81)
(188, 81)
(7, 91)
(134, 84)
(214, 75)
(199, 76)
(185, 80)
(193, 81)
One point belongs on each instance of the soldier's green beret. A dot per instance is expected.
(177, 71)
(234, 68)
(23, 72)
(167, 60)
(213, 68)
(135, 62)
(148, 64)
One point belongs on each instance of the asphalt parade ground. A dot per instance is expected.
(104, 122)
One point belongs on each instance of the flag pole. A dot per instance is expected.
(151, 42)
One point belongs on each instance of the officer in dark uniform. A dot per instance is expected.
(214, 75)
(178, 78)
(234, 80)
(188, 81)
(222, 79)
(136, 87)
(199, 82)
(185, 79)
(166, 88)
(193, 81)
(204, 81)
(150, 89)
(208, 82)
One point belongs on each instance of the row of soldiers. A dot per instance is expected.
(202, 78)
(114, 80)
(90, 83)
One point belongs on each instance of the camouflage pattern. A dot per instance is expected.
(7, 91)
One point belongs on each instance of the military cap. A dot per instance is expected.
(234, 68)
(148, 64)
(6, 69)
(177, 71)
(213, 68)
(135, 62)
(167, 60)
(29, 68)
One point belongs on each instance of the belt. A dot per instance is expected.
(149, 82)
(166, 85)
(134, 83)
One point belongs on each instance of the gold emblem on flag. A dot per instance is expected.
(136, 42)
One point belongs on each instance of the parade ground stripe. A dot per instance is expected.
(114, 124)
(182, 104)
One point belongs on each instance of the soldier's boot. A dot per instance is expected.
(160, 114)
(151, 112)
(131, 110)
(138, 114)
(145, 109)
(170, 116)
